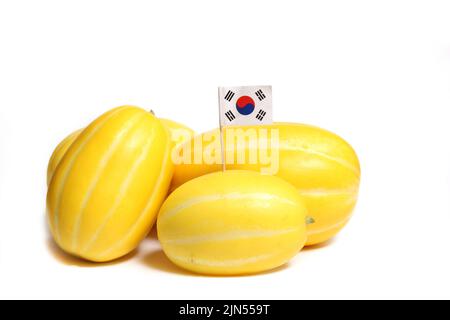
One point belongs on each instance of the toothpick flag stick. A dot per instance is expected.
(224, 167)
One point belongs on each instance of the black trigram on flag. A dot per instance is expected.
(229, 95)
(230, 115)
(261, 114)
(260, 94)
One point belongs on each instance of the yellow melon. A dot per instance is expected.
(322, 166)
(232, 222)
(106, 191)
(179, 133)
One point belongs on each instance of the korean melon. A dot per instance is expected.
(107, 189)
(233, 222)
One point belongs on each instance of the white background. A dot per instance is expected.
(375, 72)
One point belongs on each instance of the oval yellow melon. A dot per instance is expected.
(322, 166)
(106, 191)
(179, 133)
(232, 222)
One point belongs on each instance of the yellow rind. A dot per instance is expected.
(322, 166)
(59, 152)
(232, 223)
(179, 133)
(174, 129)
(106, 191)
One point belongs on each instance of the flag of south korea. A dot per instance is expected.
(245, 105)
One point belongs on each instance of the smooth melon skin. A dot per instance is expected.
(323, 167)
(232, 223)
(179, 133)
(106, 191)
(59, 152)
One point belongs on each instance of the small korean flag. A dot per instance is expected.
(245, 105)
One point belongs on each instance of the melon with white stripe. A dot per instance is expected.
(179, 133)
(321, 165)
(106, 191)
(232, 222)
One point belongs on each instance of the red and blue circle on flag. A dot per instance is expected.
(245, 105)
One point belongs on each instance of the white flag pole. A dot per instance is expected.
(221, 134)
